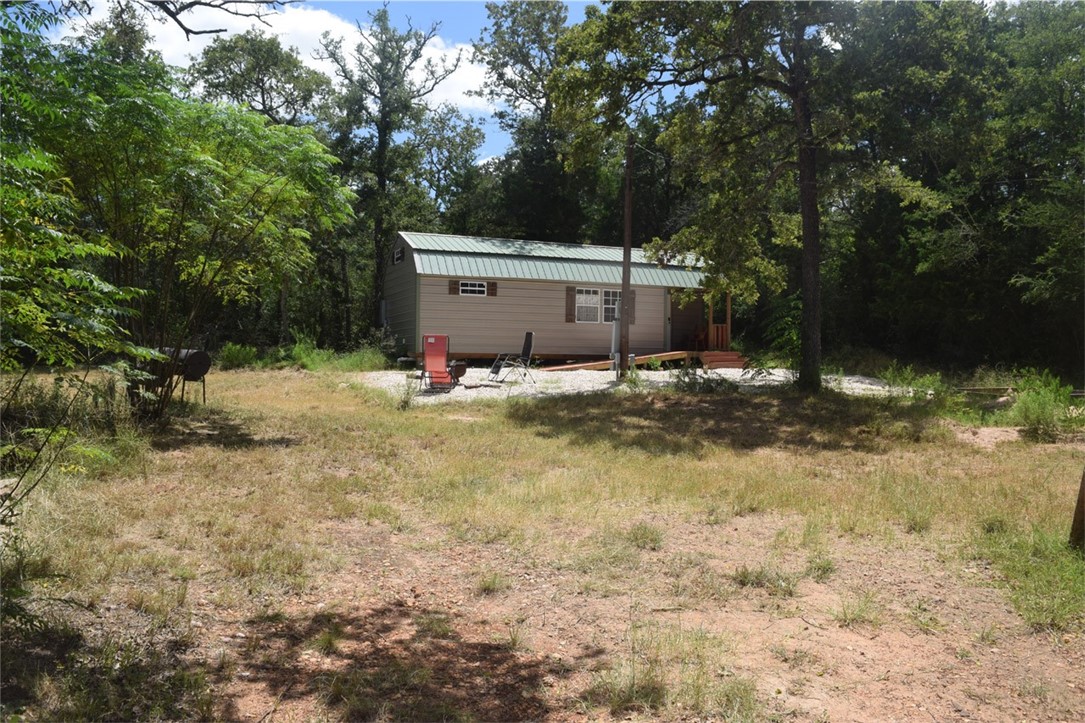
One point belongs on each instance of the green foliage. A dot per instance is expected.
(385, 79)
(767, 577)
(929, 390)
(306, 354)
(46, 429)
(236, 356)
(1045, 576)
(644, 536)
(57, 309)
(253, 69)
(695, 380)
(1042, 406)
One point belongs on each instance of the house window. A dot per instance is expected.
(397, 256)
(612, 304)
(587, 306)
(597, 305)
(472, 288)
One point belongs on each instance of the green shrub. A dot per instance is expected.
(371, 356)
(307, 355)
(693, 380)
(1045, 576)
(1042, 407)
(237, 356)
(366, 359)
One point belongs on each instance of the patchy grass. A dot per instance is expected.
(769, 578)
(677, 671)
(860, 607)
(283, 480)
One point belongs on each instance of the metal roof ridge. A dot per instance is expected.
(614, 252)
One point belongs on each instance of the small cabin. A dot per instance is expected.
(485, 293)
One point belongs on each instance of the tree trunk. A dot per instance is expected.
(380, 230)
(1077, 529)
(810, 325)
(627, 253)
(345, 320)
(284, 310)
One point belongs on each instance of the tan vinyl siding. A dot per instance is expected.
(685, 321)
(401, 299)
(496, 324)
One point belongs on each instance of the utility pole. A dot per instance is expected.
(1077, 527)
(627, 258)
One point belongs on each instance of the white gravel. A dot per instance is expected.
(475, 385)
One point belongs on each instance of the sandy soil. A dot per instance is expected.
(946, 644)
(409, 635)
(477, 384)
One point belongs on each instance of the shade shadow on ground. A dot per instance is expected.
(211, 427)
(393, 663)
(96, 671)
(678, 424)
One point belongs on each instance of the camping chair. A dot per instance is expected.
(437, 374)
(514, 363)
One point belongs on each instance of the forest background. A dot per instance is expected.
(925, 160)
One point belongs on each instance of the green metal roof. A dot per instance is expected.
(447, 255)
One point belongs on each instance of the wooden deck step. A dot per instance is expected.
(709, 360)
(722, 360)
(604, 364)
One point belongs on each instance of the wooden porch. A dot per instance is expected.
(711, 347)
(708, 359)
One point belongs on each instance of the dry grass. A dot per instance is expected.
(238, 496)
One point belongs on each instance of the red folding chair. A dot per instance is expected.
(436, 373)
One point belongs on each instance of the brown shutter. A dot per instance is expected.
(632, 307)
(491, 288)
(570, 304)
(453, 286)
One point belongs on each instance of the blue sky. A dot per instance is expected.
(461, 20)
(301, 25)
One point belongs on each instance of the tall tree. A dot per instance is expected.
(384, 81)
(206, 201)
(449, 143)
(254, 70)
(519, 49)
(56, 309)
(753, 119)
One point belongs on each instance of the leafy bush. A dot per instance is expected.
(237, 356)
(930, 389)
(372, 356)
(307, 355)
(47, 425)
(1042, 406)
(693, 380)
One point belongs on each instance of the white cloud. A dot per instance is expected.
(301, 27)
(467, 77)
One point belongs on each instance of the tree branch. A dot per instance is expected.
(174, 9)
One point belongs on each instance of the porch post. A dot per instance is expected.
(710, 337)
(727, 339)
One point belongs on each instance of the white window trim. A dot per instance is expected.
(598, 305)
(616, 306)
(472, 288)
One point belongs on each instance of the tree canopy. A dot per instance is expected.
(905, 177)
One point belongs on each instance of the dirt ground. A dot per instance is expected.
(946, 644)
(395, 622)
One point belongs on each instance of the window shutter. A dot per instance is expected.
(570, 304)
(491, 288)
(632, 307)
(453, 286)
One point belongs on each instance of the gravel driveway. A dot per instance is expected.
(475, 385)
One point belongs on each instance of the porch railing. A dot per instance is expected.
(719, 337)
